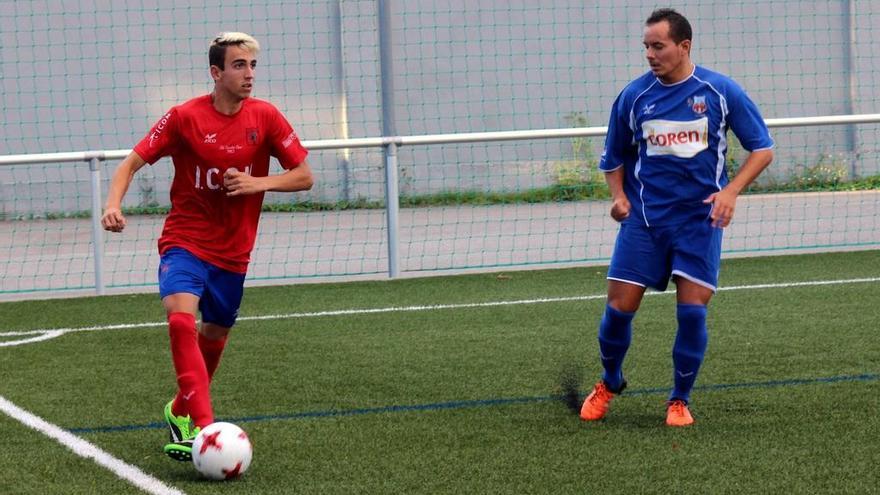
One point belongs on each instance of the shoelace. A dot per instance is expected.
(602, 395)
(188, 431)
(677, 407)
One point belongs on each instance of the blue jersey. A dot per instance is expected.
(671, 141)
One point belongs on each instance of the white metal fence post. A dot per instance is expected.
(97, 230)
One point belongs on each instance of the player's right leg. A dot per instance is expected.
(181, 282)
(615, 334)
(182, 434)
(630, 272)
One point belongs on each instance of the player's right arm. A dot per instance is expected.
(618, 142)
(113, 219)
(620, 205)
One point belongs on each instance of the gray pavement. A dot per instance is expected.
(51, 258)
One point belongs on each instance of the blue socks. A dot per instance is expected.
(689, 348)
(615, 334)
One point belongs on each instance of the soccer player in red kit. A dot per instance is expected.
(220, 145)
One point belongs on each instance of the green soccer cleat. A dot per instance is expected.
(179, 451)
(182, 434)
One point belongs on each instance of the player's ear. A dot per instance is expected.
(686, 46)
(215, 72)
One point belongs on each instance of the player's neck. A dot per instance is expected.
(225, 103)
(683, 72)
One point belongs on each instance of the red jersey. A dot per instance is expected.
(203, 143)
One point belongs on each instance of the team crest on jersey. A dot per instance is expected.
(698, 104)
(253, 135)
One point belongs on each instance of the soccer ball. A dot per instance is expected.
(222, 451)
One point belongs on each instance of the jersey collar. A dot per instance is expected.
(693, 70)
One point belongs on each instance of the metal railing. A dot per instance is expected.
(390, 144)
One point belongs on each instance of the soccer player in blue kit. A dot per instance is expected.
(664, 162)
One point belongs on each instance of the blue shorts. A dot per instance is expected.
(220, 291)
(649, 256)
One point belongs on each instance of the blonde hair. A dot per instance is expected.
(217, 50)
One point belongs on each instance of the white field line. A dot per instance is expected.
(51, 333)
(88, 450)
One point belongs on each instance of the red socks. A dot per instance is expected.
(192, 374)
(211, 352)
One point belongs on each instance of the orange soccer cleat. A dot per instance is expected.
(596, 404)
(677, 413)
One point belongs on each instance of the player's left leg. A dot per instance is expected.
(219, 307)
(689, 348)
(696, 260)
(212, 342)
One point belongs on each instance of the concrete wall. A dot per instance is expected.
(83, 75)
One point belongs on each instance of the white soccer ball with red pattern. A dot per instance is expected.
(222, 451)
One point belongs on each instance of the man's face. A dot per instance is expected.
(669, 61)
(237, 76)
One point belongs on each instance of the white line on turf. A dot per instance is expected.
(88, 450)
(46, 334)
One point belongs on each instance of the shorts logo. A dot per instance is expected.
(669, 137)
(253, 135)
(698, 104)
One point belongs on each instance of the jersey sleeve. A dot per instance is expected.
(162, 138)
(746, 122)
(284, 143)
(619, 137)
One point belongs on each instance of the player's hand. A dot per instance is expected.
(723, 205)
(113, 220)
(238, 183)
(620, 208)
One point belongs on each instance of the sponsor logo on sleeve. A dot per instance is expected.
(157, 131)
(681, 139)
(289, 140)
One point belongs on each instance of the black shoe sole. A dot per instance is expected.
(180, 456)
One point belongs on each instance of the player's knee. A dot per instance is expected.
(625, 297)
(213, 331)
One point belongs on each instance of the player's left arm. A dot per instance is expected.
(724, 201)
(238, 183)
(746, 122)
(284, 145)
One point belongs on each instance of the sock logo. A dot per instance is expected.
(190, 394)
(684, 375)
